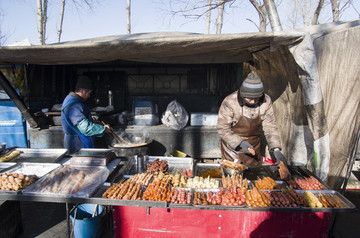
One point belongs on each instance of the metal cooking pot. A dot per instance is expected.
(138, 146)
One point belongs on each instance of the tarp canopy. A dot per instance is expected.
(170, 47)
(311, 74)
(314, 85)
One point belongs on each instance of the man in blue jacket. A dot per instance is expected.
(76, 119)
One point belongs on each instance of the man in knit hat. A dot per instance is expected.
(242, 116)
(76, 119)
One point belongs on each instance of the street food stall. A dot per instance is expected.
(176, 196)
(303, 79)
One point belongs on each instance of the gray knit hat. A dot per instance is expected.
(252, 87)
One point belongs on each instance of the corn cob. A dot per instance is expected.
(312, 200)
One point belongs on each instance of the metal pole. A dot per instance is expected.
(17, 100)
(273, 15)
(351, 163)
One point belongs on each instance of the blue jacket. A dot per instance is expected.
(77, 124)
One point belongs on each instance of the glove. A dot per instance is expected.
(245, 146)
(279, 157)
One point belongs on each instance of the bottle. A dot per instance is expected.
(110, 94)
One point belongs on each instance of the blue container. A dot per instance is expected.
(145, 113)
(84, 224)
(12, 125)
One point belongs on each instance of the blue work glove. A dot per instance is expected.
(279, 157)
(245, 146)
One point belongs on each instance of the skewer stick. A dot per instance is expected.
(116, 136)
(93, 214)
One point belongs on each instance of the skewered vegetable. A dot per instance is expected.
(312, 200)
(9, 155)
(200, 182)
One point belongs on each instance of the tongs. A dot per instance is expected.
(116, 136)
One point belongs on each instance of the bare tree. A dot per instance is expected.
(260, 8)
(337, 8)
(310, 11)
(41, 18)
(315, 19)
(305, 12)
(219, 21)
(128, 19)
(61, 20)
(45, 18)
(196, 9)
(306, 8)
(2, 37)
(77, 4)
(208, 17)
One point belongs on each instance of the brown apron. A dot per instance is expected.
(250, 130)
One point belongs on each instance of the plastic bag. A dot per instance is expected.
(175, 116)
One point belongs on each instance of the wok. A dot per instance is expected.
(137, 146)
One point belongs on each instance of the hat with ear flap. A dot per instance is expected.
(84, 82)
(252, 87)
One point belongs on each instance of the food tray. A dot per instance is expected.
(85, 152)
(175, 164)
(296, 173)
(205, 169)
(70, 181)
(40, 155)
(5, 165)
(38, 169)
(215, 179)
(136, 203)
(348, 205)
(29, 169)
(102, 189)
(211, 205)
(281, 183)
(187, 190)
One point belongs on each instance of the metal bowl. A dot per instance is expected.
(138, 146)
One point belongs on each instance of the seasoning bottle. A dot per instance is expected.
(236, 160)
(110, 94)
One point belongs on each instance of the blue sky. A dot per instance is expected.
(19, 21)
